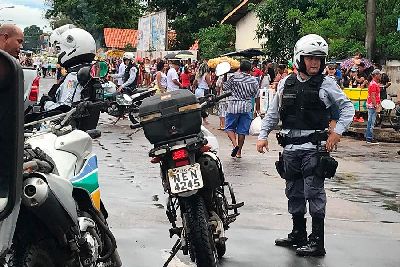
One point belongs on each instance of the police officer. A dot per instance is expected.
(130, 75)
(303, 103)
(76, 49)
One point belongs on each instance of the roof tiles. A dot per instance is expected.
(120, 38)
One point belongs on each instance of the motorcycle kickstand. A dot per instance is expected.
(174, 251)
(115, 122)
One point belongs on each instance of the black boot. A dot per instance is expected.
(298, 236)
(315, 246)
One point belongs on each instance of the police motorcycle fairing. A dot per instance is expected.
(61, 200)
(192, 175)
(52, 214)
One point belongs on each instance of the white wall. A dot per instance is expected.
(392, 68)
(246, 32)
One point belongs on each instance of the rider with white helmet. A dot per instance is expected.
(76, 48)
(303, 103)
(130, 75)
(126, 58)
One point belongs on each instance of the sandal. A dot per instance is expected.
(234, 151)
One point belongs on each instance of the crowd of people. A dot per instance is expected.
(305, 112)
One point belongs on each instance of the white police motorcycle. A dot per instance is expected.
(51, 214)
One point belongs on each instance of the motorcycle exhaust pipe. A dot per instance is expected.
(35, 192)
(40, 199)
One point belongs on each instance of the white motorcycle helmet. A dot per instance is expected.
(128, 55)
(310, 45)
(74, 46)
(56, 35)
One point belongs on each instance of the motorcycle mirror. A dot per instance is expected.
(11, 133)
(99, 69)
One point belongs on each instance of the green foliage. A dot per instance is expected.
(388, 40)
(94, 15)
(217, 40)
(340, 22)
(280, 26)
(32, 38)
(129, 47)
(189, 16)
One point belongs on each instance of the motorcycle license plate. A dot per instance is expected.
(186, 178)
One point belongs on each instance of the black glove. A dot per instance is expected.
(43, 100)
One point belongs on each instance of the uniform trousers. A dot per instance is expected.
(302, 185)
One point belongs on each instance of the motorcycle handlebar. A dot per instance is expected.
(218, 98)
(211, 100)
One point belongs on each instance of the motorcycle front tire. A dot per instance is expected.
(33, 255)
(199, 234)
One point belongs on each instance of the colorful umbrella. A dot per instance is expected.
(350, 62)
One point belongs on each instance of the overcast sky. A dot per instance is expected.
(24, 13)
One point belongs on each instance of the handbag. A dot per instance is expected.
(255, 126)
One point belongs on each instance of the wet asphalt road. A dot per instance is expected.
(362, 225)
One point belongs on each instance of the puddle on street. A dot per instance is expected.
(354, 188)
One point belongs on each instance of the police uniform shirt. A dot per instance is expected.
(330, 93)
(68, 92)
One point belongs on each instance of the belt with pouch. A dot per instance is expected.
(315, 138)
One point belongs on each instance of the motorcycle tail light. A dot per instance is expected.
(180, 154)
(33, 95)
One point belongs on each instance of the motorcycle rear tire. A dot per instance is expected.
(199, 234)
(33, 255)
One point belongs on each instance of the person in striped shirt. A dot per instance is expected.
(239, 115)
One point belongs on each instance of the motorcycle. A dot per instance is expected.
(119, 104)
(62, 220)
(51, 213)
(191, 173)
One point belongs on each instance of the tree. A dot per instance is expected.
(370, 38)
(279, 27)
(341, 24)
(216, 40)
(95, 15)
(189, 16)
(32, 38)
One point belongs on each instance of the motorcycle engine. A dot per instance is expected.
(91, 251)
(113, 111)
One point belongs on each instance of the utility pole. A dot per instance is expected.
(370, 38)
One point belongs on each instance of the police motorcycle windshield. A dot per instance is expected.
(11, 135)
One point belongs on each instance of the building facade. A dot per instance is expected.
(245, 21)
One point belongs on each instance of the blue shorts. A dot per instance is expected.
(238, 123)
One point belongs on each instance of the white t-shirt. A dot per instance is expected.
(172, 75)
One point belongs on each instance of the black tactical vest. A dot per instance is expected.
(301, 106)
(127, 75)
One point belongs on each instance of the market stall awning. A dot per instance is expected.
(249, 53)
(120, 38)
